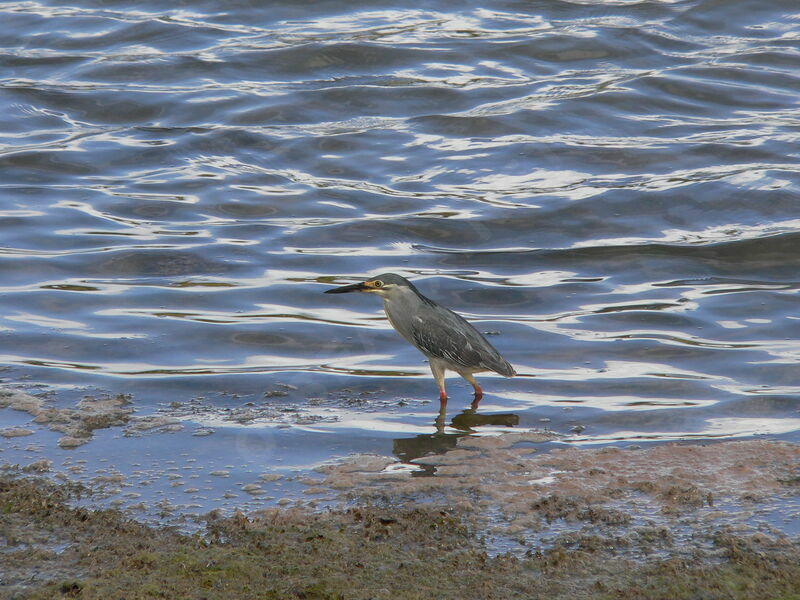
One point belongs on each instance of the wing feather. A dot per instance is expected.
(443, 334)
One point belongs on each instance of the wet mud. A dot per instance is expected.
(532, 501)
(76, 424)
(51, 550)
(497, 519)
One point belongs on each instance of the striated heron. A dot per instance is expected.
(447, 339)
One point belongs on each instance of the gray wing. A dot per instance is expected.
(443, 334)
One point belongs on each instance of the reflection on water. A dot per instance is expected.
(441, 440)
(470, 419)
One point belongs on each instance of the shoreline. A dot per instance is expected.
(393, 535)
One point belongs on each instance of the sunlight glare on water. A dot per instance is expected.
(608, 190)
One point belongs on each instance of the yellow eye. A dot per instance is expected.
(377, 283)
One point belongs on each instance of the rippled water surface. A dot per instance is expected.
(610, 189)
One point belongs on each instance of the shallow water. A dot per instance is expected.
(609, 189)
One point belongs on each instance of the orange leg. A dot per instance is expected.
(437, 369)
(478, 391)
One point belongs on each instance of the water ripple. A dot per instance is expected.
(607, 189)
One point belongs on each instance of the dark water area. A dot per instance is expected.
(611, 190)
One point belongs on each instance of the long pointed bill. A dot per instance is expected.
(353, 287)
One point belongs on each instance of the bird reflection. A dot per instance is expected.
(407, 449)
(440, 442)
(470, 419)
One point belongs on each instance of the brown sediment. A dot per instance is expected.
(405, 536)
(77, 424)
(519, 491)
(10, 432)
(674, 474)
(51, 550)
(89, 414)
(20, 401)
(160, 423)
(266, 410)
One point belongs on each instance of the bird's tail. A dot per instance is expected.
(503, 367)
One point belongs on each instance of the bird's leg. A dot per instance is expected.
(438, 374)
(478, 391)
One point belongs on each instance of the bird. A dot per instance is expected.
(447, 339)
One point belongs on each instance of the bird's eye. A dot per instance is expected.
(377, 283)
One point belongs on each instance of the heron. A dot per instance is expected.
(448, 340)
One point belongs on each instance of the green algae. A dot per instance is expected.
(52, 550)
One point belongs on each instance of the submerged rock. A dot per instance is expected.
(77, 424)
(12, 432)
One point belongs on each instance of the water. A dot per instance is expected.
(609, 189)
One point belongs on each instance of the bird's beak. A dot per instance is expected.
(353, 287)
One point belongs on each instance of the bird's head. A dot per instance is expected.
(385, 285)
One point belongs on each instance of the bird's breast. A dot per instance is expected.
(398, 322)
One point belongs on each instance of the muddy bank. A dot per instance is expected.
(652, 499)
(521, 514)
(396, 546)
